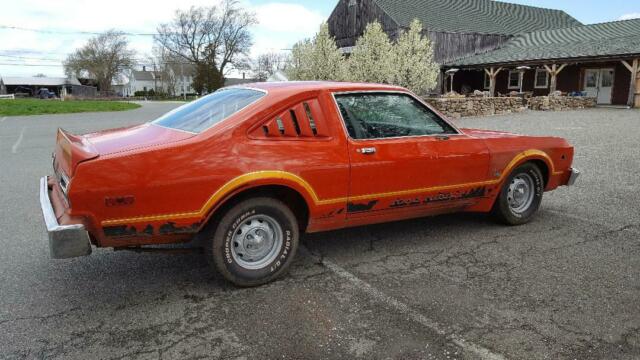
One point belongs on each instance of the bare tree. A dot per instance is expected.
(267, 64)
(104, 57)
(214, 39)
(167, 67)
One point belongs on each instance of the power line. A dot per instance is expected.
(69, 32)
(28, 58)
(43, 65)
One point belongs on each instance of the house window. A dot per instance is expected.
(487, 81)
(542, 79)
(514, 80)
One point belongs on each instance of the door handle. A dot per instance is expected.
(442, 137)
(367, 151)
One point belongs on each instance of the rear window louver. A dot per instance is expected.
(305, 120)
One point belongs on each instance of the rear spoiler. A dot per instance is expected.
(72, 150)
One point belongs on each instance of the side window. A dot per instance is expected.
(300, 121)
(383, 115)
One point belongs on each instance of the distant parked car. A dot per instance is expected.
(44, 93)
(22, 91)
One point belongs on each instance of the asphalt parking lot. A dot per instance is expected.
(565, 286)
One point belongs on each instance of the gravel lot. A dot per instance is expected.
(454, 287)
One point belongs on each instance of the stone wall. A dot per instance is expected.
(559, 103)
(477, 106)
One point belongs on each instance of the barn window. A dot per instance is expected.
(542, 79)
(514, 80)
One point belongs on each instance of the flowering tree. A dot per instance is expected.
(371, 59)
(413, 65)
(408, 63)
(317, 59)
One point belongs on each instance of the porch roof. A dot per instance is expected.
(607, 40)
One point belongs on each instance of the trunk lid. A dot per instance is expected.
(71, 149)
(135, 137)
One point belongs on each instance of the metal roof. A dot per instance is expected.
(618, 38)
(475, 16)
(142, 75)
(38, 81)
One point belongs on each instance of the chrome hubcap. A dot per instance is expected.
(521, 193)
(257, 242)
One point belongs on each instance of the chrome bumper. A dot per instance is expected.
(575, 173)
(65, 241)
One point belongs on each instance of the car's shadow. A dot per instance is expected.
(123, 276)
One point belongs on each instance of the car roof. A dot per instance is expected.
(302, 86)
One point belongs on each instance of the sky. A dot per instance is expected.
(281, 24)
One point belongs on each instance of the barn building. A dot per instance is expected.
(502, 47)
(455, 27)
(29, 86)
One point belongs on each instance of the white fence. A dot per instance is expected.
(10, 96)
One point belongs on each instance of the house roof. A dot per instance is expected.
(237, 81)
(475, 16)
(618, 38)
(39, 81)
(183, 68)
(142, 75)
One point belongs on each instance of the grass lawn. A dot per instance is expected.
(37, 107)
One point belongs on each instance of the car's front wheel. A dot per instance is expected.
(520, 196)
(254, 242)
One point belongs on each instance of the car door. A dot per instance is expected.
(406, 160)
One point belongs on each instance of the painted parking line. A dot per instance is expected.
(377, 295)
(14, 148)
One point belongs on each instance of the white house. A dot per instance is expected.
(177, 81)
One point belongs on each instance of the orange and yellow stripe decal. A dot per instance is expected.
(283, 175)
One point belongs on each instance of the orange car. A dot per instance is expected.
(246, 170)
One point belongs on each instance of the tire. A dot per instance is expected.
(254, 242)
(527, 183)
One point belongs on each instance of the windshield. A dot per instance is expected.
(203, 113)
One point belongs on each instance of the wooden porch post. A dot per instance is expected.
(492, 73)
(554, 70)
(635, 69)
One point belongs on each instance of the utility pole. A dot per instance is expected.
(184, 91)
(155, 79)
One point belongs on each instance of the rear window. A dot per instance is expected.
(203, 113)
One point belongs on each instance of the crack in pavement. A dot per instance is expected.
(635, 228)
(469, 347)
(42, 317)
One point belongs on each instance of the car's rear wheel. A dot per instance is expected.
(520, 196)
(254, 242)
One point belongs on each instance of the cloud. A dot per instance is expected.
(280, 26)
(630, 16)
(288, 18)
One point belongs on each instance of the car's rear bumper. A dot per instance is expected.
(65, 241)
(573, 177)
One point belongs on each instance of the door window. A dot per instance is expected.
(383, 115)
(607, 78)
(592, 79)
